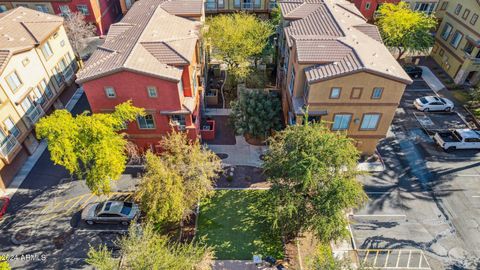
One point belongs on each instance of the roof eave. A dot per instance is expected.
(386, 76)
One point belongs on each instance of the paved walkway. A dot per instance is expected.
(242, 153)
(433, 82)
(32, 160)
(215, 111)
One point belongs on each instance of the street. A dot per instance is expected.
(425, 201)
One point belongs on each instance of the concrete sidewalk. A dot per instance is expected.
(242, 153)
(32, 160)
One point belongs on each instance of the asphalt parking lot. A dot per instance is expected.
(426, 203)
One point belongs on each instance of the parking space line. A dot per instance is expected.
(85, 202)
(387, 215)
(75, 203)
(398, 258)
(409, 257)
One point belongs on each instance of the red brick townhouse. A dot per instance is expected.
(101, 13)
(150, 57)
(368, 7)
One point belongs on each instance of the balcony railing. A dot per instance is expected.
(34, 113)
(272, 5)
(8, 145)
(210, 6)
(247, 6)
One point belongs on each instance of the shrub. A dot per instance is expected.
(256, 112)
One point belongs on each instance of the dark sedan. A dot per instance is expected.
(413, 71)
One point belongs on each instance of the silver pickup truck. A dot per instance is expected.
(458, 139)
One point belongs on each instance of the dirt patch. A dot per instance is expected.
(188, 229)
(306, 244)
(254, 140)
(242, 177)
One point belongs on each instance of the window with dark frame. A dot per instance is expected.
(444, 5)
(469, 47)
(335, 92)
(356, 93)
(474, 19)
(447, 29)
(457, 38)
(458, 8)
(146, 122)
(377, 93)
(466, 12)
(441, 52)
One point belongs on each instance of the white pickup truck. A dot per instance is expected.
(458, 139)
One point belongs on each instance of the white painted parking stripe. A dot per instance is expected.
(476, 196)
(387, 215)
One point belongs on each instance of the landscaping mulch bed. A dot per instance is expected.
(188, 229)
(254, 140)
(243, 177)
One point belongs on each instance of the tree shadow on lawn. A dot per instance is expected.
(234, 223)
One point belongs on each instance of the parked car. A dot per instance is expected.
(110, 212)
(433, 103)
(413, 71)
(4, 201)
(458, 139)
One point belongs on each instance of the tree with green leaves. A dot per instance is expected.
(161, 192)
(178, 179)
(405, 29)
(89, 146)
(144, 248)
(256, 113)
(236, 39)
(312, 172)
(4, 265)
(198, 166)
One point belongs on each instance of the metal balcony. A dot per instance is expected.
(212, 6)
(34, 114)
(8, 145)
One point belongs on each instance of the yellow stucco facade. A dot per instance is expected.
(457, 41)
(30, 84)
(356, 101)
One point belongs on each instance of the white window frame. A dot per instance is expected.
(152, 91)
(110, 92)
(370, 121)
(14, 82)
(47, 50)
(335, 89)
(10, 125)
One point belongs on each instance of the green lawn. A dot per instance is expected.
(231, 222)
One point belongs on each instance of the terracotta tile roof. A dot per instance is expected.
(22, 29)
(369, 30)
(183, 7)
(335, 37)
(148, 40)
